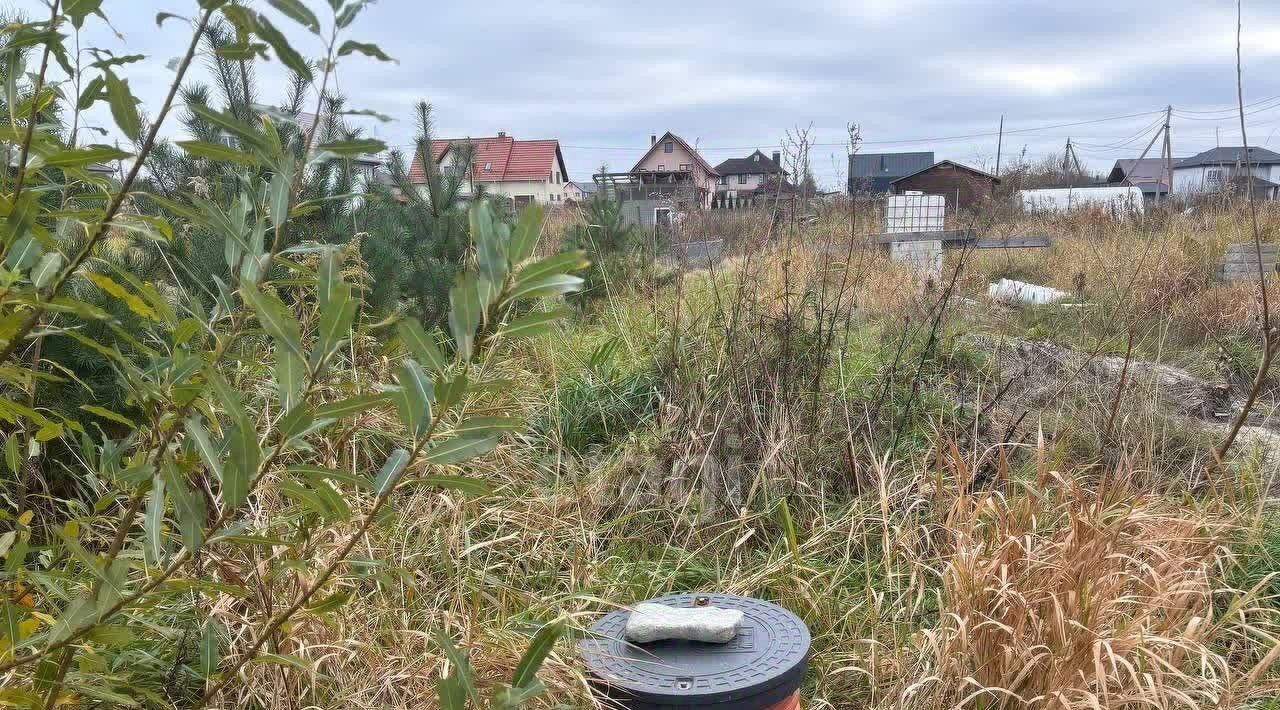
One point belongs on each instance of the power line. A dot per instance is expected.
(1124, 142)
(1219, 119)
(1229, 109)
(1092, 149)
(931, 139)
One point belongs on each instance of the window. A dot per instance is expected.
(742, 179)
(488, 167)
(668, 147)
(228, 140)
(685, 167)
(662, 168)
(724, 179)
(1213, 178)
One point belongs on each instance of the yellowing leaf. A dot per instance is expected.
(135, 304)
(108, 414)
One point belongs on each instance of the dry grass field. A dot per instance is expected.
(833, 435)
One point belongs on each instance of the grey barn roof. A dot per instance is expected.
(875, 171)
(756, 163)
(1136, 171)
(1230, 156)
(1146, 174)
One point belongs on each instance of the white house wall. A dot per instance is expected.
(541, 190)
(1187, 180)
(1195, 178)
(731, 183)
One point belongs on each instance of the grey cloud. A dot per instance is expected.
(602, 76)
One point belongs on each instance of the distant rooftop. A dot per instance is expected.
(1230, 156)
(1148, 174)
(875, 171)
(498, 158)
(756, 163)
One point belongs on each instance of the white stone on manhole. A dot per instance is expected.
(656, 622)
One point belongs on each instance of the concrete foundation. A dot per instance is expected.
(924, 255)
(1240, 263)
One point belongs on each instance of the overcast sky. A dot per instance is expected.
(601, 76)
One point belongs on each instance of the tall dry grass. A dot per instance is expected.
(1069, 592)
(956, 570)
(1059, 591)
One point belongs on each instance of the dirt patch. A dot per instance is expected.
(1042, 373)
(1040, 378)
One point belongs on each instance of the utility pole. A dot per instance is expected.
(1168, 155)
(1070, 158)
(999, 145)
(1075, 159)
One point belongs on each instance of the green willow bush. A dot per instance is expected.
(221, 455)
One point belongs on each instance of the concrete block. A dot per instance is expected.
(1241, 259)
(656, 622)
(1251, 248)
(924, 256)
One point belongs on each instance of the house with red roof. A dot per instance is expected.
(526, 171)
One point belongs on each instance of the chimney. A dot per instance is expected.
(653, 138)
(502, 134)
(777, 158)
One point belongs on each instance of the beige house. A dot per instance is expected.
(525, 171)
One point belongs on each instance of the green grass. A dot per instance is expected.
(597, 406)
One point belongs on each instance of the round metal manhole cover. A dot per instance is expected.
(761, 666)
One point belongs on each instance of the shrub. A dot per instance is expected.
(615, 248)
(241, 429)
(598, 406)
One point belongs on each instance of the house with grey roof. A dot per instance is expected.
(579, 191)
(742, 180)
(750, 172)
(875, 172)
(1221, 169)
(1147, 174)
